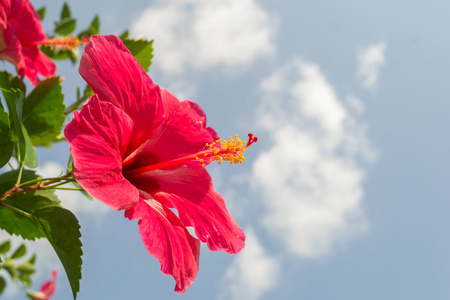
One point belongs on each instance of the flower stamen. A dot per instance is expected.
(231, 150)
(70, 42)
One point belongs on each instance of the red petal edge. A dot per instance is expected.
(189, 190)
(98, 138)
(116, 76)
(168, 240)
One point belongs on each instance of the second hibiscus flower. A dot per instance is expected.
(20, 35)
(137, 148)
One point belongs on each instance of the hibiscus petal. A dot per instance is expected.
(3, 15)
(28, 25)
(116, 76)
(185, 130)
(12, 51)
(21, 28)
(167, 240)
(99, 136)
(48, 287)
(36, 62)
(183, 133)
(189, 190)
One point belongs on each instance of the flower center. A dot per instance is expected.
(64, 43)
(231, 150)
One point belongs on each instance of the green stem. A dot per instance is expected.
(49, 187)
(15, 209)
(75, 105)
(19, 178)
(67, 179)
(17, 189)
(62, 188)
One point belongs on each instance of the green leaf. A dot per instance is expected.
(76, 184)
(5, 246)
(88, 92)
(8, 81)
(62, 230)
(2, 284)
(30, 201)
(60, 54)
(17, 224)
(25, 278)
(41, 12)
(32, 260)
(142, 50)
(26, 268)
(94, 28)
(10, 267)
(43, 112)
(65, 13)
(19, 252)
(59, 137)
(31, 160)
(6, 142)
(70, 164)
(95, 25)
(67, 24)
(55, 53)
(21, 223)
(58, 225)
(124, 35)
(14, 98)
(74, 55)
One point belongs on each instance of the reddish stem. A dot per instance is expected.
(19, 190)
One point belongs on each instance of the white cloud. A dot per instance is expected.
(252, 273)
(370, 60)
(310, 177)
(203, 34)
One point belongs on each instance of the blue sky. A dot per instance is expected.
(345, 196)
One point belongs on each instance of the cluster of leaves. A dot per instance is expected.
(18, 268)
(29, 207)
(38, 214)
(64, 27)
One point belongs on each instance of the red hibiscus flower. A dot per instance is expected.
(47, 289)
(21, 33)
(137, 148)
